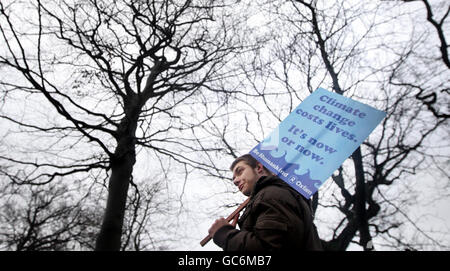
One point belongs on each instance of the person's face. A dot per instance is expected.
(245, 177)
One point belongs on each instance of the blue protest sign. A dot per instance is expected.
(316, 138)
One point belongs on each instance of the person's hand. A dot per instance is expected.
(219, 223)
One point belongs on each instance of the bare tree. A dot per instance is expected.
(49, 217)
(350, 48)
(435, 60)
(149, 217)
(114, 73)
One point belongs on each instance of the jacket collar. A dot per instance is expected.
(266, 181)
(275, 180)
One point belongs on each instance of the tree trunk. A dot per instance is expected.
(360, 202)
(111, 230)
(344, 239)
(121, 173)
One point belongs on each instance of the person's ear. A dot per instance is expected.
(259, 168)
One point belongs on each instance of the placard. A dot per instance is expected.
(316, 138)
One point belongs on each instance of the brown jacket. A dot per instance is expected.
(276, 218)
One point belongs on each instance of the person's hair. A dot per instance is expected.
(249, 160)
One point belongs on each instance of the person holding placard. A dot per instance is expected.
(276, 217)
(282, 173)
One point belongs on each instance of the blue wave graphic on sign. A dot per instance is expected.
(275, 160)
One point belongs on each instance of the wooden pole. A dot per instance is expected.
(233, 215)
